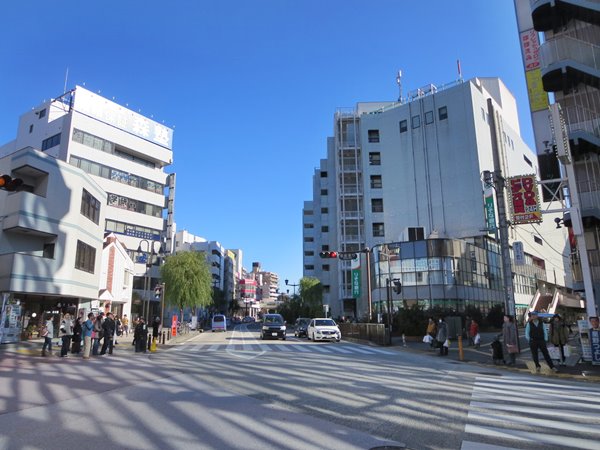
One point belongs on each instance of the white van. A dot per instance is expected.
(219, 323)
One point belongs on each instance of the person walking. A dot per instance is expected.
(431, 332)
(77, 337)
(125, 325)
(65, 333)
(474, 333)
(118, 329)
(48, 334)
(87, 329)
(559, 336)
(108, 326)
(510, 339)
(140, 336)
(468, 322)
(98, 333)
(537, 335)
(442, 337)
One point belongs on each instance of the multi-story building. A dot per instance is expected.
(402, 187)
(116, 278)
(560, 42)
(51, 241)
(214, 251)
(126, 154)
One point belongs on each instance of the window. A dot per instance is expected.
(309, 239)
(131, 204)
(429, 117)
(527, 160)
(309, 267)
(416, 122)
(48, 251)
(85, 258)
(376, 182)
(42, 114)
(538, 240)
(308, 212)
(132, 230)
(378, 229)
(403, 126)
(373, 136)
(325, 267)
(324, 248)
(323, 191)
(377, 205)
(30, 128)
(326, 289)
(323, 174)
(416, 233)
(324, 210)
(52, 141)
(90, 207)
(309, 225)
(325, 229)
(374, 158)
(309, 253)
(443, 113)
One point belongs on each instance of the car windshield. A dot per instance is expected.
(303, 321)
(324, 323)
(218, 319)
(273, 319)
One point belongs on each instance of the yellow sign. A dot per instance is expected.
(524, 200)
(538, 98)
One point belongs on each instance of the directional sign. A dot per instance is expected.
(347, 256)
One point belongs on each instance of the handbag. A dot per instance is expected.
(477, 339)
(512, 348)
(427, 339)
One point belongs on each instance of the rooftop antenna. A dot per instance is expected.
(399, 82)
(66, 78)
(459, 70)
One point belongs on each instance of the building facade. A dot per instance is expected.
(411, 172)
(126, 154)
(560, 43)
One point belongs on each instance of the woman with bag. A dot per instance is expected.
(442, 337)
(474, 333)
(430, 333)
(559, 336)
(510, 339)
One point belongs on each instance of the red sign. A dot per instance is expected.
(174, 326)
(524, 201)
(530, 45)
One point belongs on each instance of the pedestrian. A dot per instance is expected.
(431, 332)
(48, 334)
(65, 333)
(155, 327)
(87, 331)
(108, 326)
(510, 339)
(474, 333)
(537, 336)
(140, 334)
(125, 325)
(442, 337)
(468, 322)
(118, 329)
(77, 331)
(98, 333)
(559, 336)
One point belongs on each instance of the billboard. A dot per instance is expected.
(524, 199)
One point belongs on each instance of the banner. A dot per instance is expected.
(356, 283)
(174, 326)
(524, 200)
(490, 211)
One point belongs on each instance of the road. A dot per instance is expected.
(232, 390)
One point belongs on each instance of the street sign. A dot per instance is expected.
(356, 283)
(347, 256)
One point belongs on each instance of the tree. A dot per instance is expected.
(311, 294)
(188, 280)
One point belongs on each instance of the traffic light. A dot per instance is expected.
(328, 254)
(157, 292)
(7, 183)
(397, 286)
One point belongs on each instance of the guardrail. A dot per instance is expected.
(376, 333)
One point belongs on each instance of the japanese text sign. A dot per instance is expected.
(524, 200)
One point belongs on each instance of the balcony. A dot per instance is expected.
(567, 61)
(25, 212)
(552, 14)
(351, 190)
(583, 126)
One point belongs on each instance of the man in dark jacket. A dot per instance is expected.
(140, 334)
(108, 326)
(537, 335)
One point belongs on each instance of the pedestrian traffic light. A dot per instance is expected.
(397, 286)
(328, 254)
(157, 292)
(7, 183)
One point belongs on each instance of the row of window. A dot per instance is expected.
(50, 142)
(132, 230)
(130, 204)
(90, 207)
(104, 145)
(116, 175)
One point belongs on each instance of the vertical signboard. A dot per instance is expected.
(355, 267)
(518, 253)
(595, 343)
(584, 337)
(524, 200)
(490, 211)
(174, 326)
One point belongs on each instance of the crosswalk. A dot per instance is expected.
(254, 347)
(529, 412)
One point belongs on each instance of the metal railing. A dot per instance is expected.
(568, 48)
(376, 333)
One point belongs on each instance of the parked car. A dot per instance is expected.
(273, 326)
(322, 329)
(218, 323)
(248, 319)
(300, 326)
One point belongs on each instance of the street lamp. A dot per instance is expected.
(287, 283)
(149, 254)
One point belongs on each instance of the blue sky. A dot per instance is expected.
(250, 87)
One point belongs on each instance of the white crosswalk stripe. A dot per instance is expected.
(338, 349)
(526, 411)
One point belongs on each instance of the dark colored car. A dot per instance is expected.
(300, 326)
(273, 327)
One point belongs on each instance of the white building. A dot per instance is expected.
(126, 154)
(51, 239)
(408, 171)
(116, 278)
(215, 254)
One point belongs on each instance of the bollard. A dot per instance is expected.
(169, 335)
(153, 345)
(461, 354)
(163, 337)
(149, 342)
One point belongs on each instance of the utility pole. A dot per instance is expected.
(499, 183)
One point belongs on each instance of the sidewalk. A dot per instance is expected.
(483, 356)
(33, 347)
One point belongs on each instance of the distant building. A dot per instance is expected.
(116, 278)
(401, 187)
